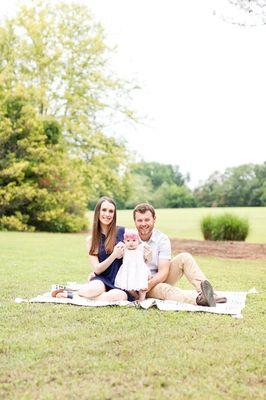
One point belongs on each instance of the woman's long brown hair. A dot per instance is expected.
(96, 230)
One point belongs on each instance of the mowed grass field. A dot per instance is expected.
(62, 351)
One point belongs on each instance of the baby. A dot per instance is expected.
(133, 273)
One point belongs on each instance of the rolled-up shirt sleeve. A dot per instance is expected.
(164, 248)
(161, 249)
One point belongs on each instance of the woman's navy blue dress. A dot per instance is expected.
(108, 276)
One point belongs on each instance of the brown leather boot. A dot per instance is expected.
(206, 297)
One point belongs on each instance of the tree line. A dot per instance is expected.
(164, 186)
(57, 97)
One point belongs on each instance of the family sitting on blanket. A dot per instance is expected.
(110, 243)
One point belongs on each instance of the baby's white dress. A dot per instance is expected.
(133, 273)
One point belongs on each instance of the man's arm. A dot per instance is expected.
(163, 271)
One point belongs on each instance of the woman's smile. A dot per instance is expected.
(106, 213)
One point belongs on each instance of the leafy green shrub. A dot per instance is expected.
(41, 187)
(206, 227)
(14, 223)
(61, 221)
(224, 227)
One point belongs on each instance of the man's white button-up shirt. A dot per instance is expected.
(161, 249)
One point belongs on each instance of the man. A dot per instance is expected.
(166, 272)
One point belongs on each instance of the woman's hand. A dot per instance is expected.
(92, 275)
(119, 250)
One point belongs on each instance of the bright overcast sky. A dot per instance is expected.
(203, 81)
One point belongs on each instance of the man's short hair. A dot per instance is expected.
(142, 208)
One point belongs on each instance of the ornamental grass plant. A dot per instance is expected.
(224, 227)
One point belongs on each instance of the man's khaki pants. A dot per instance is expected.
(182, 264)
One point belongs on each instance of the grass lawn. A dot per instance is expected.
(185, 222)
(67, 352)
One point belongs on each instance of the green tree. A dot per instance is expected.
(40, 187)
(260, 193)
(239, 186)
(173, 196)
(106, 172)
(161, 184)
(141, 190)
(159, 173)
(211, 193)
(59, 52)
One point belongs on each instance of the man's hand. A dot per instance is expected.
(147, 253)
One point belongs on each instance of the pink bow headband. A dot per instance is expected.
(131, 235)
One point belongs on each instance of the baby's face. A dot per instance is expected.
(131, 244)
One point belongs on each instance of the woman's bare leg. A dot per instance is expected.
(112, 295)
(96, 290)
(92, 289)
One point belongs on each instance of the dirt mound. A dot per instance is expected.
(220, 249)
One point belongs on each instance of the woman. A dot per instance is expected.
(105, 254)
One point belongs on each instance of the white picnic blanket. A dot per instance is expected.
(235, 302)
